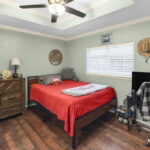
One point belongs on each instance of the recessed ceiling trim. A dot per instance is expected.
(141, 20)
(30, 32)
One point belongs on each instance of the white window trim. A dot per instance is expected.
(112, 45)
(111, 76)
(108, 76)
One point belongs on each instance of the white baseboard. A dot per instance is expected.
(143, 122)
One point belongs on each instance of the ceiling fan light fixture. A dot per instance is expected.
(56, 9)
(54, 1)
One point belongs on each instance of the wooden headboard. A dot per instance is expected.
(138, 78)
(31, 80)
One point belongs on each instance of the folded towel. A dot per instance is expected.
(84, 90)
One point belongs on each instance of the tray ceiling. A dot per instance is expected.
(42, 16)
(100, 14)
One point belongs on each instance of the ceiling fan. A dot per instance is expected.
(56, 8)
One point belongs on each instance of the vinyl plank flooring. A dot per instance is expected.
(30, 132)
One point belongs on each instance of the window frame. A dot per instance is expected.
(107, 75)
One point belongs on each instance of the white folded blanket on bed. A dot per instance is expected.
(84, 90)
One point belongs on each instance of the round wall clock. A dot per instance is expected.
(55, 57)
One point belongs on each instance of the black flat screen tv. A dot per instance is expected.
(138, 78)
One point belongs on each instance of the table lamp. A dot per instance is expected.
(15, 62)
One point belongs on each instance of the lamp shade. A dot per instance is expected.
(15, 61)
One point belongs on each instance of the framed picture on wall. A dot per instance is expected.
(106, 38)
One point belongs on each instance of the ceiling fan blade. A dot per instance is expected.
(74, 12)
(68, 1)
(54, 18)
(33, 6)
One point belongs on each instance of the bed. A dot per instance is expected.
(76, 112)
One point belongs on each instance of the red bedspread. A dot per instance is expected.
(67, 107)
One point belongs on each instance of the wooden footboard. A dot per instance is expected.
(90, 117)
(93, 115)
(83, 120)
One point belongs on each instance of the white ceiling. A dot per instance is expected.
(81, 5)
(140, 9)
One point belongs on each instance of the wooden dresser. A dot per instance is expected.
(12, 97)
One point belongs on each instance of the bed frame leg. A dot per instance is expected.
(74, 142)
(74, 137)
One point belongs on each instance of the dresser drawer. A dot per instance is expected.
(10, 86)
(9, 111)
(10, 98)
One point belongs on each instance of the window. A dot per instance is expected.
(112, 60)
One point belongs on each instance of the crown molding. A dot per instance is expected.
(132, 22)
(141, 20)
(30, 32)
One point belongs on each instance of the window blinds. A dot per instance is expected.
(113, 60)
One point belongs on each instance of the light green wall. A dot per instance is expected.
(76, 55)
(32, 50)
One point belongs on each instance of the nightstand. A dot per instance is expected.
(12, 97)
